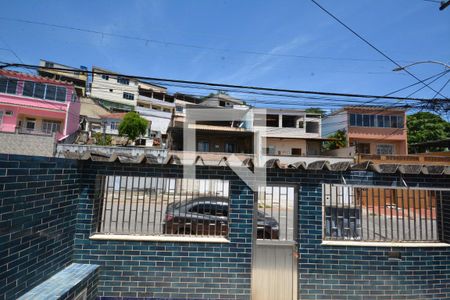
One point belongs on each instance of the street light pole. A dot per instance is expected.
(422, 62)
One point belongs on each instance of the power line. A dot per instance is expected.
(221, 85)
(184, 45)
(373, 46)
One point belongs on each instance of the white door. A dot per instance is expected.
(274, 265)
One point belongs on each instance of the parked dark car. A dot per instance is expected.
(209, 216)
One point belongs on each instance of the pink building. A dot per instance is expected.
(371, 130)
(36, 105)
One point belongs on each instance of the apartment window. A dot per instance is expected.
(39, 90)
(359, 120)
(51, 126)
(49, 64)
(105, 77)
(352, 119)
(122, 80)
(111, 90)
(203, 146)
(222, 103)
(44, 91)
(60, 94)
(114, 125)
(162, 206)
(272, 121)
(312, 127)
(51, 92)
(8, 86)
(385, 149)
(387, 121)
(179, 109)
(382, 214)
(374, 120)
(296, 151)
(289, 121)
(1, 117)
(30, 124)
(400, 121)
(363, 148)
(230, 148)
(128, 96)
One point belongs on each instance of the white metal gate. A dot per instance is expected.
(274, 271)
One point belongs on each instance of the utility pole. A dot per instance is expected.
(444, 4)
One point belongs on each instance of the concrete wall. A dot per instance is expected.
(101, 89)
(27, 144)
(38, 206)
(161, 154)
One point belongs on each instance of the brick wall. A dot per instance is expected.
(38, 202)
(27, 144)
(201, 270)
(42, 199)
(168, 269)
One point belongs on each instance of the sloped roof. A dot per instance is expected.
(32, 77)
(243, 160)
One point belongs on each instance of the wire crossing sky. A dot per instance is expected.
(290, 46)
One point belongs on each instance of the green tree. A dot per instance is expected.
(340, 141)
(425, 127)
(315, 110)
(133, 126)
(102, 141)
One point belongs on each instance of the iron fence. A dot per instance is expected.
(371, 213)
(159, 206)
(276, 213)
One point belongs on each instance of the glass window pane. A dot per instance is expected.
(3, 83)
(366, 120)
(12, 86)
(352, 119)
(61, 94)
(400, 121)
(372, 120)
(387, 121)
(359, 120)
(394, 121)
(39, 90)
(28, 88)
(380, 121)
(50, 94)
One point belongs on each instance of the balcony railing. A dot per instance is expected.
(156, 101)
(24, 130)
(405, 159)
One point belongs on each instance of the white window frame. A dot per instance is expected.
(383, 147)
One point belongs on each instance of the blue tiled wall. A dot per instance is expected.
(168, 269)
(48, 211)
(38, 203)
(199, 270)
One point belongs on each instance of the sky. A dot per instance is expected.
(281, 44)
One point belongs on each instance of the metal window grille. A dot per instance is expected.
(383, 214)
(275, 216)
(159, 206)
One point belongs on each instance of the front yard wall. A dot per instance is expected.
(48, 212)
(202, 270)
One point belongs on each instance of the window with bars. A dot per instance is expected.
(275, 215)
(382, 214)
(163, 206)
